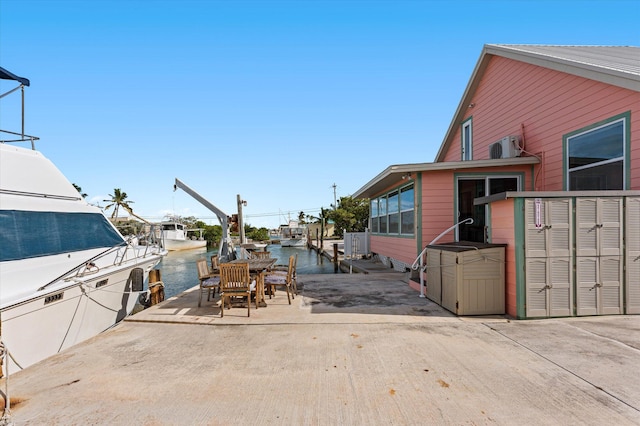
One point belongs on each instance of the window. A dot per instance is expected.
(393, 213)
(52, 233)
(596, 157)
(470, 187)
(406, 210)
(467, 140)
(375, 221)
(382, 213)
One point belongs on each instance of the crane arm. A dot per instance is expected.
(226, 248)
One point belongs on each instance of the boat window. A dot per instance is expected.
(28, 234)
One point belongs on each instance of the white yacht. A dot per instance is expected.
(293, 235)
(66, 273)
(175, 236)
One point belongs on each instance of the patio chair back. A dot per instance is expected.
(235, 280)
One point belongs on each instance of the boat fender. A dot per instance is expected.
(144, 300)
(137, 279)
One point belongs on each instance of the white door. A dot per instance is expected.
(632, 255)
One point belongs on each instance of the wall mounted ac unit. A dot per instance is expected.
(507, 147)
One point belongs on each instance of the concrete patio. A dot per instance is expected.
(357, 349)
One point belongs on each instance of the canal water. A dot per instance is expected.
(178, 268)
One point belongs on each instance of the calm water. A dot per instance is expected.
(179, 273)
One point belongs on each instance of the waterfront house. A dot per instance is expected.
(543, 153)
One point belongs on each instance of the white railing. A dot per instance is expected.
(418, 263)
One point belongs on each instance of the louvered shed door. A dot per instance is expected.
(548, 264)
(599, 285)
(632, 255)
(599, 256)
(553, 238)
(599, 227)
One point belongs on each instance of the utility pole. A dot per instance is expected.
(335, 202)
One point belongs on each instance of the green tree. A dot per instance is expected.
(351, 215)
(256, 234)
(118, 199)
(211, 233)
(301, 218)
(79, 189)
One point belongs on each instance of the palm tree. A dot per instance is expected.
(117, 200)
(79, 189)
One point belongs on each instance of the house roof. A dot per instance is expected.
(395, 174)
(615, 65)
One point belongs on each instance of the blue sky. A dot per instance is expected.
(272, 100)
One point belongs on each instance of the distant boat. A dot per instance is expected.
(66, 273)
(175, 236)
(253, 246)
(293, 235)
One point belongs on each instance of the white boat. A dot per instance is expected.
(175, 236)
(293, 235)
(66, 273)
(254, 246)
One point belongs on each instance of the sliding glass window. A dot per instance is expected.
(596, 156)
(394, 213)
(375, 220)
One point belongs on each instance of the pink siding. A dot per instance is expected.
(402, 249)
(502, 232)
(438, 198)
(542, 105)
(437, 205)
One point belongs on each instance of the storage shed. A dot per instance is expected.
(467, 278)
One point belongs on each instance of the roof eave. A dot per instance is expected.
(473, 83)
(393, 175)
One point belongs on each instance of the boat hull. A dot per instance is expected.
(69, 312)
(176, 245)
(293, 242)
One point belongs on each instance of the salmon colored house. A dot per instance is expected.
(543, 153)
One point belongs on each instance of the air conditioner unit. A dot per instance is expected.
(507, 147)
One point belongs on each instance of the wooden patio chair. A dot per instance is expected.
(261, 254)
(277, 279)
(209, 281)
(235, 281)
(215, 264)
(284, 269)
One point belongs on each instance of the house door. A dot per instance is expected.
(470, 188)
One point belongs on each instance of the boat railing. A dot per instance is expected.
(23, 82)
(22, 138)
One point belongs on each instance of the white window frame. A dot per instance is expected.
(622, 158)
(384, 218)
(466, 137)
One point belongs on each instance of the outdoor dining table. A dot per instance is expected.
(256, 268)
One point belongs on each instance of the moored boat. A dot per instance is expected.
(175, 236)
(293, 235)
(66, 273)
